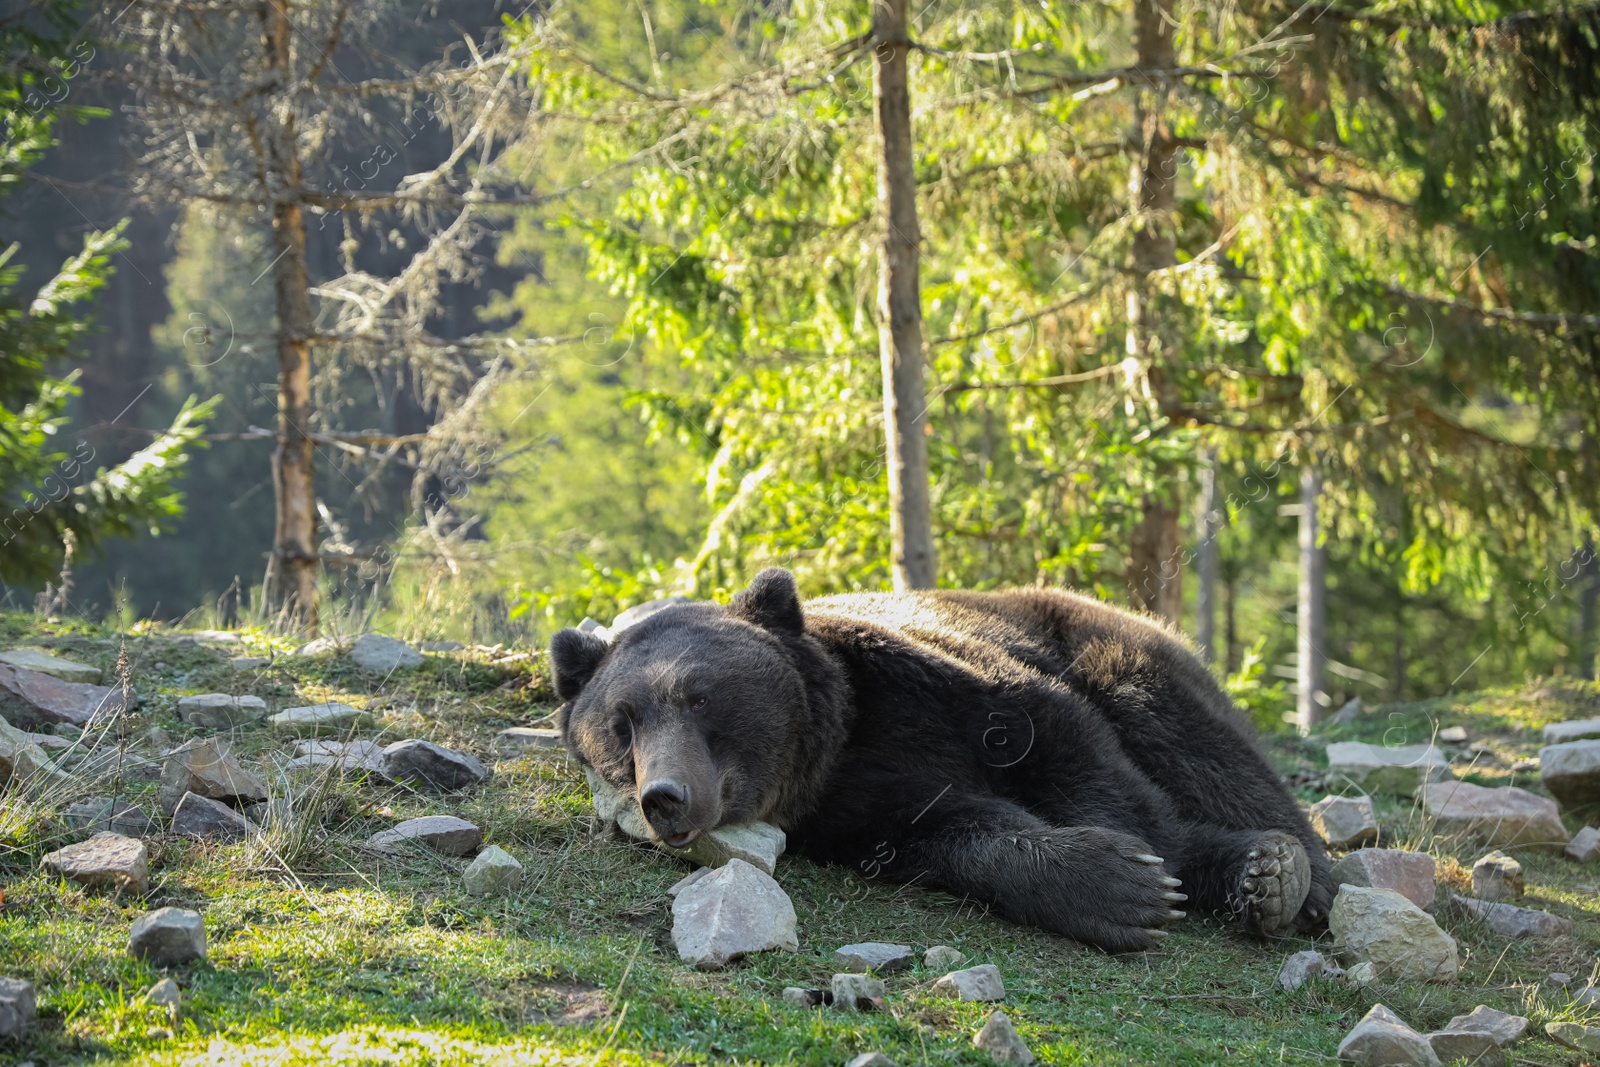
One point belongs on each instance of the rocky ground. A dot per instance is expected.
(249, 855)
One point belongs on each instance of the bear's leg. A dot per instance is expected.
(1262, 879)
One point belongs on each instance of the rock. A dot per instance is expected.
(494, 873)
(869, 1059)
(975, 983)
(104, 813)
(1559, 733)
(1495, 817)
(1400, 939)
(1508, 920)
(30, 700)
(1571, 772)
(1361, 975)
(1453, 735)
(442, 833)
(943, 958)
(53, 744)
(805, 998)
(757, 843)
(200, 817)
(1377, 769)
(857, 992)
(517, 740)
(105, 861)
(1585, 845)
(615, 809)
(322, 646)
(1301, 967)
(1558, 980)
(873, 956)
(164, 994)
(18, 1009)
(379, 654)
(1497, 876)
(1348, 713)
(1382, 1039)
(1476, 1047)
(442, 646)
(639, 612)
(221, 711)
(167, 937)
(206, 768)
(271, 813)
(1410, 874)
(23, 758)
(218, 637)
(349, 757)
(1575, 1035)
(432, 766)
(589, 626)
(1505, 1029)
(249, 663)
(1001, 1041)
(318, 718)
(731, 912)
(688, 880)
(1345, 822)
(34, 659)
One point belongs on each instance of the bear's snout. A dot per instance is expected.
(663, 800)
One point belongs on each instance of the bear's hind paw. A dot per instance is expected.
(1272, 884)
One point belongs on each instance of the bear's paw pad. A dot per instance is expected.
(1273, 883)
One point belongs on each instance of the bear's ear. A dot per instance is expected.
(772, 602)
(574, 657)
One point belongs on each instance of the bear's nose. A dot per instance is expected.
(663, 799)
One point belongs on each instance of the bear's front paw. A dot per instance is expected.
(1130, 898)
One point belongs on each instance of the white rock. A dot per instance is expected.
(1506, 1029)
(1585, 845)
(18, 1009)
(315, 718)
(943, 958)
(688, 880)
(640, 612)
(1382, 1039)
(1497, 876)
(518, 740)
(1301, 967)
(1411, 874)
(1511, 921)
(1345, 822)
(105, 861)
(1495, 817)
(857, 992)
(323, 645)
(729, 913)
(33, 659)
(1361, 975)
(349, 757)
(167, 937)
(1001, 1041)
(1378, 769)
(442, 833)
(1453, 735)
(1401, 940)
(873, 956)
(379, 654)
(975, 983)
(870, 1059)
(1571, 772)
(1558, 733)
(221, 711)
(494, 873)
(757, 843)
(802, 998)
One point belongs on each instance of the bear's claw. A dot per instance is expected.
(1273, 884)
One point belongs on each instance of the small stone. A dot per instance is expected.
(1497, 877)
(1361, 975)
(757, 843)
(1558, 979)
(1559, 733)
(1001, 1041)
(1506, 1029)
(1508, 920)
(688, 880)
(23, 758)
(1400, 939)
(975, 983)
(31, 700)
(640, 612)
(871, 1059)
(1345, 822)
(1477, 1048)
(379, 654)
(1587, 997)
(735, 910)
(217, 637)
(348, 757)
(1496, 817)
(1571, 772)
(103, 813)
(432, 766)
(208, 820)
(802, 998)
(1585, 845)
(494, 873)
(1382, 1039)
(34, 659)
(857, 992)
(167, 937)
(943, 958)
(873, 956)
(589, 626)
(165, 994)
(1575, 1035)
(18, 1008)
(518, 740)
(206, 768)
(1301, 967)
(1453, 735)
(249, 663)
(105, 861)
(322, 646)
(1411, 874)
(318, 718)
(1378, 769)
(53, 744)
(442, 646)
(442, 833)
(221, 711)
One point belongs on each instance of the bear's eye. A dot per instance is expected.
(622, 727)
(696, 703)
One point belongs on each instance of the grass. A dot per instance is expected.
(321, 952)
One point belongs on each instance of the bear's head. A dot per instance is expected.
(697, 711)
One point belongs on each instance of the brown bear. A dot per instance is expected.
(1067, 762)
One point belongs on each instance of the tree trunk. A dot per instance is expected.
(1588, 602)
(1208, 560)
(1153, 574)
(1310, 631)
(292, 573)
(1230, 624)
(900, 310)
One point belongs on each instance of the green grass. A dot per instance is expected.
(347, 957)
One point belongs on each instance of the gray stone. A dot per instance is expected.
(442, 833)
(217, 637)
(332, 717)
(1361, 975)
(30, 700)
(494, 873)
(1506, 1029)
(205, 819)
(104, 813)
(1001, 1041)
(1453, 735)
(221, 711)
(1558, 980)
(857, 992)
(1347, 714)
(206, 768)
(272, 813)
(1575, 1035)
(1301, 967)
(1411, 874)
(639, 612)
(164, 994)
(249, 663)
(1398, 938)
(1571, 772)
(53, 744)
(943, 958)
(1379, 769)
(757, 843)
(975, 983)
(871, 1059)
(1497, 876)
(1345, 822)
(379, 654)
(804, 998)
(323, 645)
(34, 659)
(1585, 845)
(615, 809)
(1494, 817)
(442, 646)
(1382, 1039)
(688, 880)
(23, 758)
(348, 757)
(432, 766)
(1508, 920)
(735, 910)
(18, 1008)
(517, 740)
(167, 937)
(873, 956)
(1476, 1047)
(105, 861)
(1559, 733)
